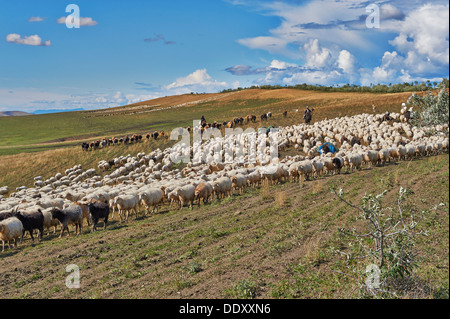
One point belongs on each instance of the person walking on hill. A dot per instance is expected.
(307, 116)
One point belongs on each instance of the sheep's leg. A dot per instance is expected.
(21, 238)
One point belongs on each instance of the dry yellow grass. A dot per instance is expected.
(281, 198)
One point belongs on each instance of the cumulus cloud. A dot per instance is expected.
(198, 81)
(418, 47)
(322, 66)
(346, 61)
(316, 57)
(27, 40)
(84, 21)
(425, 32)
(422, 48)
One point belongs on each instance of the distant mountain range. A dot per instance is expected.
(20, 113)
(14, 113)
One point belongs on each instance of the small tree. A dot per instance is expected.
(387, 243)
(430, 109)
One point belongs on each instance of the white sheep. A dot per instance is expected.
(125, 205)
(151, 197)
(186, 194)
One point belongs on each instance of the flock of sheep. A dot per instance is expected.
(143, 183)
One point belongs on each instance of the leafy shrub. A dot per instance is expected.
(430, 109)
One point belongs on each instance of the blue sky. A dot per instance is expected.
(129, 51)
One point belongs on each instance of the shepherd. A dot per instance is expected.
(307, 116)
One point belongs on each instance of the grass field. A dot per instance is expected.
(272, 242)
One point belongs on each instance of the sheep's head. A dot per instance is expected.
(17, 214)
(55, 212)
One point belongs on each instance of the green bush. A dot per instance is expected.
(430, 109)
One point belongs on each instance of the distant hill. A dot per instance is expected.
(14, 113)
(56, 111)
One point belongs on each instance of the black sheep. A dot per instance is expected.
(98, 211)
(31, 221)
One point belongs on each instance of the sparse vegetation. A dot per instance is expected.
(243, 289)
(387, 246)
(281, 253)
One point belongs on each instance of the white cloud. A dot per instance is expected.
(422, 48)
(316, 57)
(275, 64)
(198, 81)
(388, 11)
(27, 40)
(333, 22)
(84, 21)
(418, 49)
(346, 61)
(322, 66)
(36, 19)
(425, 32)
